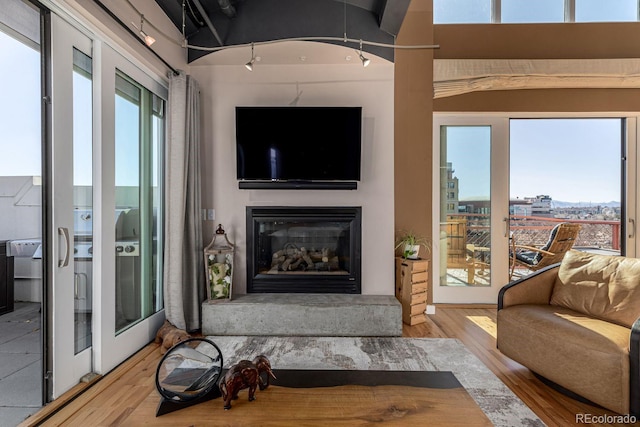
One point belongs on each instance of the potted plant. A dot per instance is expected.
(410, 244)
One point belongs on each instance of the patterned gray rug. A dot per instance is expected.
(495, 399)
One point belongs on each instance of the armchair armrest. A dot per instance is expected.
(533, 249)
(533, 289)
(634, 369)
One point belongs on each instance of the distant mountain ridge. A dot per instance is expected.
(560, 204)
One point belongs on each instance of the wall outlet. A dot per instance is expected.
(211, 214)
(203, 214)
(431, 309)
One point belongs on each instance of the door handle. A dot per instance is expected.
(632, 231)
(506, 225)
(63, 231)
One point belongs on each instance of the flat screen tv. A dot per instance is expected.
(298, 144)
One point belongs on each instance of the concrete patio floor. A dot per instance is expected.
(20, 364)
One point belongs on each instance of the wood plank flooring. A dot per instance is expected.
(116, 399)
(476, 328)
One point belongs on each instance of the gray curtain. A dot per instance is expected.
(183, 252)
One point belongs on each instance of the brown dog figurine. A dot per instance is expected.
(245, 374)
(168, 335)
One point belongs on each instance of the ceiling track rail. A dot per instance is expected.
(135, 36)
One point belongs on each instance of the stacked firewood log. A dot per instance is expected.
(292, 258)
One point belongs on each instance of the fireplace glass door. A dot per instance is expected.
(304, 250)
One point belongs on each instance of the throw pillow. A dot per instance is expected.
(603, 286)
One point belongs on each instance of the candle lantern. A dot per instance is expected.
(218, 262)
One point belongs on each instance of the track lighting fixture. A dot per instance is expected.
(249, 65)
(365, 61)
(148, 40)
(184, 42)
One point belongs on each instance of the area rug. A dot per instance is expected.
(499, 404)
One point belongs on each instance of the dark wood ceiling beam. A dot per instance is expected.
(392, 14)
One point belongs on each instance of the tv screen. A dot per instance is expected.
(298, 143)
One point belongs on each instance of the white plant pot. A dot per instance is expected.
(412, 251)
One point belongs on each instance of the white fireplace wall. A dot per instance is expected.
(223, 87)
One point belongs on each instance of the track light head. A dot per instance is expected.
(148, 40)
(249, 65)
(365, 61)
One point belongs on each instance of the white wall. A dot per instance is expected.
(223, 87)
(20, 207)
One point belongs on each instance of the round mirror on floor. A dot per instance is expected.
(189, 370)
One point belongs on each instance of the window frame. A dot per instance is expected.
(569, 14)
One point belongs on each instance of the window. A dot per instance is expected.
(83, 196)
(138, 228)
(527, 11)
(520, 11)
(461, 11)
(606, 11)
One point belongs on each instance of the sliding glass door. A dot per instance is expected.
(22, 212)
(567, 170)
(471, 223)
(507, 182)
(139, 120)
(131, 155)
(106, 207)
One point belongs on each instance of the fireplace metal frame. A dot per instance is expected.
(304, 283)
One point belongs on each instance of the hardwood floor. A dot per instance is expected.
(119, 397)
(476, 328)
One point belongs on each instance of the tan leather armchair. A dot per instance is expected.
(576, 325)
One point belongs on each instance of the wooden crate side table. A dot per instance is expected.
(412, 280)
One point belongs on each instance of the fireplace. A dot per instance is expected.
(304, 249)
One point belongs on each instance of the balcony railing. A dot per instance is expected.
(534, 231)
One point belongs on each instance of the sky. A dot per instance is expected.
(20, 127)
(571, 160)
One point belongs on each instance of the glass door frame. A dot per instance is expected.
(109, 346)
(113, 346)
(66, 367)
(500, 135)
(499, 211)
(630, 186)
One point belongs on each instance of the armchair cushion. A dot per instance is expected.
(602, 286)
(534, 257)
(552, 236)
(580, 353)
(529, 257)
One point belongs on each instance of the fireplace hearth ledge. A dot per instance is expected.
(286, 314)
